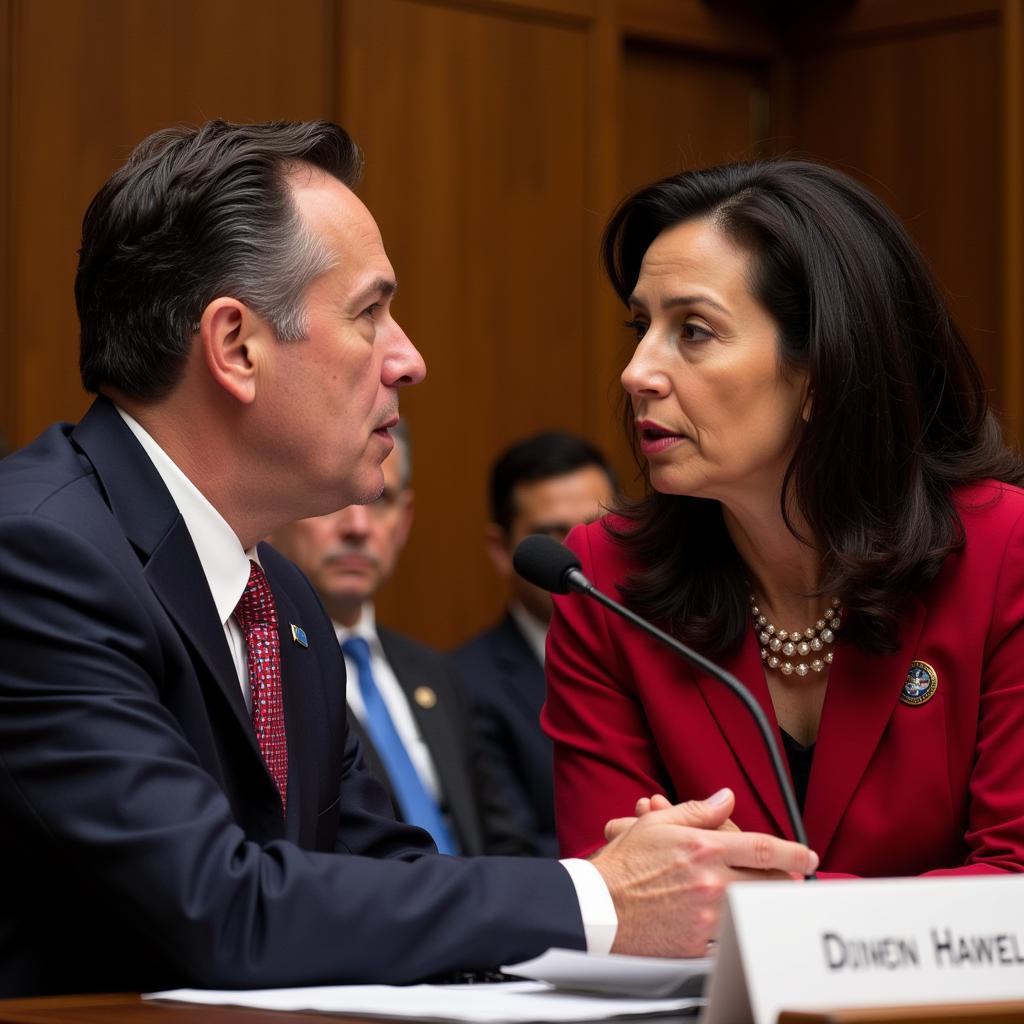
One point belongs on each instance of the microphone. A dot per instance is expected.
(541, 560)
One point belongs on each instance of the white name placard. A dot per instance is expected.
(878, 942)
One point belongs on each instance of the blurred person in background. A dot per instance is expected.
(410, 711)
(547, 483)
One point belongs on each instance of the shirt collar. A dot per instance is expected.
(366, 627)
(534, 631)
(225, 564)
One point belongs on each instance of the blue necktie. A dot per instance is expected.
(417, 805)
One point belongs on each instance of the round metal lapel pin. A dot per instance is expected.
(920, 685)
(425, 697)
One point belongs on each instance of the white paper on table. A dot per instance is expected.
(522, 1002)
(646, 977)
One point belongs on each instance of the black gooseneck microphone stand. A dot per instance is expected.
(541, 560)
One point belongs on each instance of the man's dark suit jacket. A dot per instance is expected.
(505, 682)
(482, 821)
(142, 844)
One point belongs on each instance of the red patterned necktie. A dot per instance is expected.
(257, 615)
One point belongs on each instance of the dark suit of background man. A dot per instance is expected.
(414, 696)
(547, 484)
(182, 800)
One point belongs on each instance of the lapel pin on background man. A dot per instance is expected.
(235, 305)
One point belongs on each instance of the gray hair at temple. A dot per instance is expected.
(197, 213)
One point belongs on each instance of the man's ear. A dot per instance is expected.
(496, 542)
(232, 336)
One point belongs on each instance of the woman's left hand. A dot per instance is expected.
(646, 804)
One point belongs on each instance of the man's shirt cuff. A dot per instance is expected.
(600, 922)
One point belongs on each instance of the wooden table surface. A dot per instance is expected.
(950, 1013)
(125, 1008)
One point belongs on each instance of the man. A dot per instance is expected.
(548, 484)
(183, 802)
(409, 710)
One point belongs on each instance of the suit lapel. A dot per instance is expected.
(151, 522)
(741, 732)
(430, 720)
(523, 675)
(863, 691)
(373, 761)
(435, 724)
(174, 573)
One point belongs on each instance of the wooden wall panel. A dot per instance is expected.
(832, 22)
(916, 116)
(7, 348)
(89, 80)
(476, 173)
(670, 123)
(602, 317)
(707, 26)
(499, 136)
(1013, 217)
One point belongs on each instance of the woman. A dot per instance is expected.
(831, 514)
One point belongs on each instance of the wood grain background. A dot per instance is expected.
(499, 135)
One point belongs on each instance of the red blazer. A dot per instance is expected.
(894, 789)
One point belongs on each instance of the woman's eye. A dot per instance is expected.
(638, 327)
(695, 332)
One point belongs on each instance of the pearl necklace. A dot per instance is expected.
(775, 642)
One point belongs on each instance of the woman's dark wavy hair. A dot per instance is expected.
(898, 415)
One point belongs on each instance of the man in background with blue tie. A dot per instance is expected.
(409, 708)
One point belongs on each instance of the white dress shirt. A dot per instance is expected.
(226, 566)
(392, 694)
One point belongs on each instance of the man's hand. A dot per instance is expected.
(667, 870)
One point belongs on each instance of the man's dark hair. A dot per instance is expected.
(540, 457)
(194, 214)
(898, 411)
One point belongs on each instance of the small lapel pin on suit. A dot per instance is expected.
(920, 685)
(299, 635)
(425, 697)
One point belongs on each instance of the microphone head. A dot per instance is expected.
(542, 561)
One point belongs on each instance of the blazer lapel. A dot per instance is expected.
(741, 732)
(151, 522)
(863, 691)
